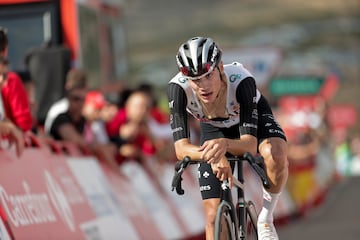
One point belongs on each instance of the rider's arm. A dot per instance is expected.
(246, 96)
(184, 148)
(179, 123)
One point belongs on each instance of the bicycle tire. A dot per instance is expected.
(251, 221)
(225, 223)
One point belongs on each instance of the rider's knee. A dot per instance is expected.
(274, 152)
(210, 213)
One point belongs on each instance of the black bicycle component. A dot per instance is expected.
(231, 222)
(257, 163)
(177, 179)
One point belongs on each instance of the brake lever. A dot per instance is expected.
(177, 179)
(258, 165)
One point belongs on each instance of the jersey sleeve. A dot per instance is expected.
(178, 114)
(246, 96)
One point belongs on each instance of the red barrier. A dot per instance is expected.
(56, 191)
(5, 229)
(41, 197)
(133, 207)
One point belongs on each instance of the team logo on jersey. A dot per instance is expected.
(234, 77)
(171, 104)
(254, 114)
(182, 79)
(205, 188)
(249, 125)
(178, 129)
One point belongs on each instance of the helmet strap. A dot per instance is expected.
(221, 75)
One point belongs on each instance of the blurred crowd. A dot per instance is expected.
(134, 128)
(311, 133)
(131, 128)
(319, 153)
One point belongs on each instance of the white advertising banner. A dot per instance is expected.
(3, 232)
(190, 204)
(157, 206)
(110, 219)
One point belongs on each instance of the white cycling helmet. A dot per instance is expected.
(198, 57)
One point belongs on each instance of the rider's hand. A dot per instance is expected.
(222, 170)
(213, 150)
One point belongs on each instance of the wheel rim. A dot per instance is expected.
(224, 227)
(229, 226)
(251, 222)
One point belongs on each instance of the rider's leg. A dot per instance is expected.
(210, 206)
(274, 151)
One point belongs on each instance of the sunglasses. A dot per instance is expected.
(204, 70)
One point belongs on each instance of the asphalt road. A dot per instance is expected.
(338, 217)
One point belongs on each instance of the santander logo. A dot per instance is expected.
(28, 208)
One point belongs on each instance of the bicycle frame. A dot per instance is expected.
(238, 214)
(241, 202)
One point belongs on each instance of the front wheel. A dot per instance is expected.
(251, 221)
(225, 223)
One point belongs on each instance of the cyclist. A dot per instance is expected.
(234, 118)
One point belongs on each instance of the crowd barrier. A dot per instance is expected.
(55, 191)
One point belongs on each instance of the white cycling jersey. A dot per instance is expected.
(235, 73)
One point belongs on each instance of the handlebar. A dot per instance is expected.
(256, 162)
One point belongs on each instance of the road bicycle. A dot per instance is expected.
(233, 221)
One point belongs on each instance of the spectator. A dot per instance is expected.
(159, 126)
(108, 111)
(159, 121)
(302, 154)
(94, 103)
(75, 78)
(342, 151)
(15, 103)
(355, 152)
(30, 89)
(9, 131)
(129, 129)
(72, 126)
(157, 114)
(123, 96)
